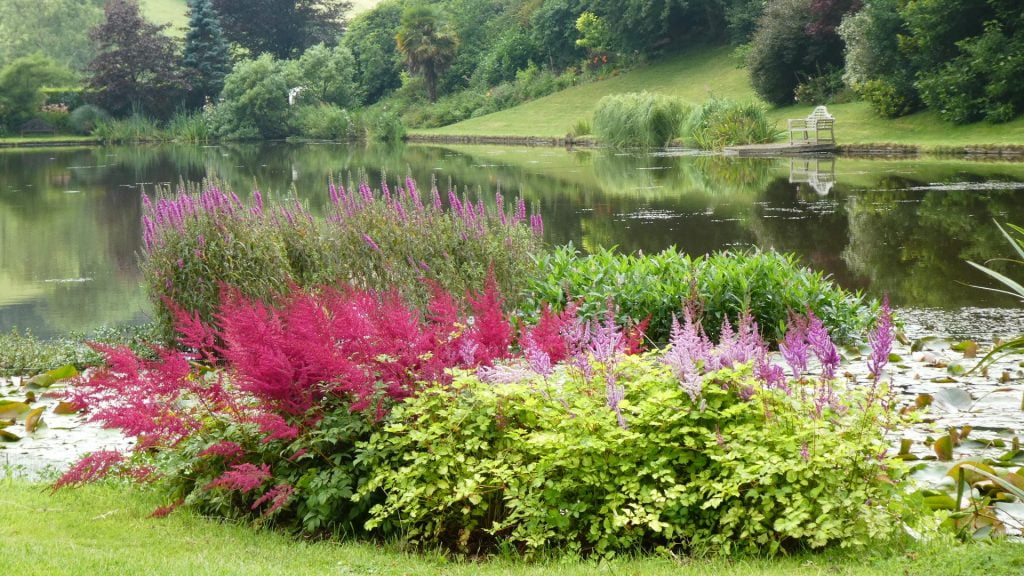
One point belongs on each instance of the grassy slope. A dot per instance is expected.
(693, 77)
(105, 530)
(173, 12)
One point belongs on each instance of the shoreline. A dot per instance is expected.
(1009, 152)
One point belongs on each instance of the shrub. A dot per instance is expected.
(768, 285)
(255, 96)
(204, 237)
(386, 126)
(638, 120)
(84, 119)
(719, 122)
(702, 446)
(888, 98)
(325, 123)
(824, 88)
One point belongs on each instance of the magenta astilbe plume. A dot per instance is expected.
(881, 339)
(242, 478)
(689, 353)
(794, 345)
(224, 449)
(536, 358)
(278, 496)
(95, 466)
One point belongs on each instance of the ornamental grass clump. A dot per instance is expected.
(638, 120)
(720, 122)
(204, 237)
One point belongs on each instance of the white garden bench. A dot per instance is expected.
(811, 129)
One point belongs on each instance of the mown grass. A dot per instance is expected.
(697, 75)
(105, 529)
(44, 139)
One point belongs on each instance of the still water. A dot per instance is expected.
(70, 234)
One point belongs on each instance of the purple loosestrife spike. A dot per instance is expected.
(537, 224)
(881, 342)
(499, 201)
(257, 201)
(436, 196)
(794, 345)
(455, 203)
(520, 214)
(371, 243)
(383, 186)
(805, 452)
(332, 192)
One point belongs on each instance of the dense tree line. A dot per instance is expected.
(962, 58)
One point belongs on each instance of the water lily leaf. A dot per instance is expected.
(970, 476)
(953, 400)
(893, 357)
(905, 445)
(939, 501)
(929, 343)
(944, 448)
(12, 409)
(968, 347)
(49, 378)
(923, 401)
(1016, 480)
(956, 369)
(944, 380)
(6, 436)
(33, 419)
(65, 408)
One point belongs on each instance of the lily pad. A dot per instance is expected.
(953, 400)
(49, 378)
(12, 409)
(944, 448)
(6, 436)
(970, 476)
(64, 408)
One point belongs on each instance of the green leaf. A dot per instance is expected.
(49, 378)
(12, 409)
(33, 419)
(944, 448)
(6, 436)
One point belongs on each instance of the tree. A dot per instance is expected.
(284, 28)
(58, 29)
(21, 84)
(326, 75)
(371, 39)
(135, 65)
(427, 44)
(553, 29)
(793, 41)
(256, 95)
(206, 52)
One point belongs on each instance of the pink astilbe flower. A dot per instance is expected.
(95, 466)
(278, 496)
(491, 329)
(242, 478)
(688, 354)
(165, 511)
(225, 449)
(536, 358)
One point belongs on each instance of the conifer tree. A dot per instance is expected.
(206, 52)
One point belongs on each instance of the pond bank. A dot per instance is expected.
(29, 143)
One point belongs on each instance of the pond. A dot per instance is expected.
(70, 233)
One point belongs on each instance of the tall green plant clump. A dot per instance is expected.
(767, 285)
(204, 238)
(720, 122)
(643, 120)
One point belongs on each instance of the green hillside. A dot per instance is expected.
(696, 75)
(174, 12)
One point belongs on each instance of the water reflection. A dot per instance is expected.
(69, 219)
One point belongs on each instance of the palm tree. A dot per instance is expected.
(428, 45)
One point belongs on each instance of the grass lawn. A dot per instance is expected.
(45, 139)
(695, 76)
(106, 530)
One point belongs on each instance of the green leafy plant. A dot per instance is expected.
(767, 284)
(720, 122)
(1012, 288)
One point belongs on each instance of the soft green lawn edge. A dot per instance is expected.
(696, 75)
(30, 140)
(105, 529)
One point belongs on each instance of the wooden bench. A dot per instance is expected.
(812, 128)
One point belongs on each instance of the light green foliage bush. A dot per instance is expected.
(638, 120)
(767, 284)
(21, 84)
(543, 463)
(85, 118)
(385, 126)
(325, 122)
(326, 75)
(134, 128)
(256, 97)
(719, 122)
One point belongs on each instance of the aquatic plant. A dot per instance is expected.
(720, 122)
(637, 120)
